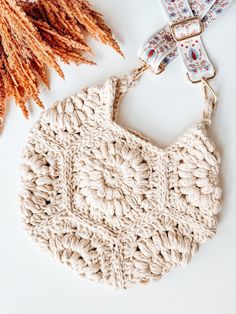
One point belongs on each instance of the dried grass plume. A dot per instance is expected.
(32, 37)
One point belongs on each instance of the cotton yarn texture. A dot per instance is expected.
(108, 202)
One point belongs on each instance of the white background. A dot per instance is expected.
(162, 108)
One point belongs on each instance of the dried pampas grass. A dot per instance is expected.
(34, 34)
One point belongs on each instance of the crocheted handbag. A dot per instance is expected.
(107, 201)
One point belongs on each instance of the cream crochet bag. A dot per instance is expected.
(109, 203)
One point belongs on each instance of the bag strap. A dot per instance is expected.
(189, 19)
(187, 30)
(208, 112)
(131, 79)
(124, 84)
(162, 47)
(210, 98)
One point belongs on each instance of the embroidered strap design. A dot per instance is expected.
(195, 16)
(186, 30)
(180, 10)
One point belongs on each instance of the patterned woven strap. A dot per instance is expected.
(186, 30)
(162, 47)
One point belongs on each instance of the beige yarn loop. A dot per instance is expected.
(108, 202)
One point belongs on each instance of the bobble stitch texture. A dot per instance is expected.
(109, 203)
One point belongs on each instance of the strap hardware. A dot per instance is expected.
(146, 66)
(187, 28)
(160, 69)
(206, 88)
(199, 81)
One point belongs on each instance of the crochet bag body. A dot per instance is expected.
(107, 201)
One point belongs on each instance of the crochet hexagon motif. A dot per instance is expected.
(109, 203)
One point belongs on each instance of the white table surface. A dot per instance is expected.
(162, 108)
